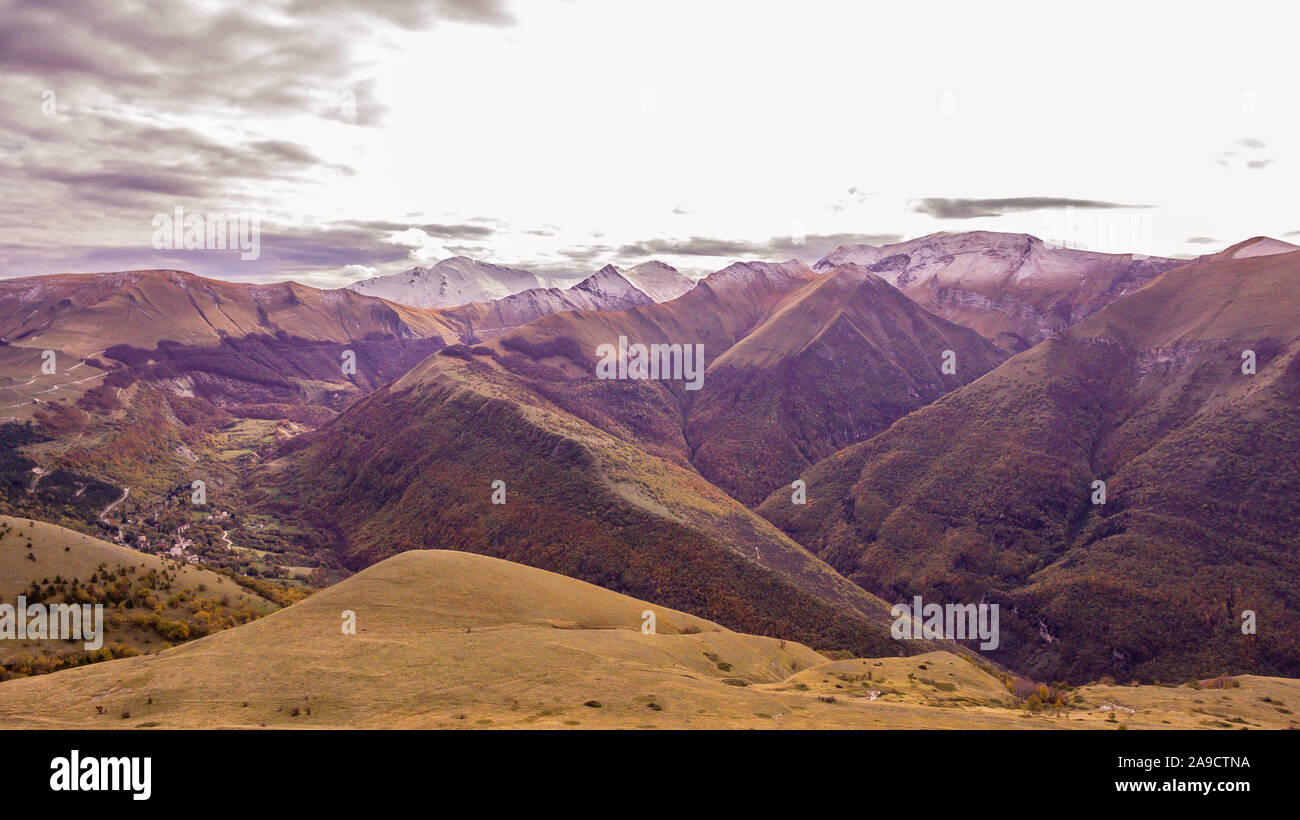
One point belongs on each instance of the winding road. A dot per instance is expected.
(103, 516)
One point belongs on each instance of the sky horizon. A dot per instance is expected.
(562, 135)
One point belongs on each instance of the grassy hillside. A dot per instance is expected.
(412, 467)
(799, 365)
(988, 492)
(452, 640)
(837, 362)
(150, 602)
(162, 378)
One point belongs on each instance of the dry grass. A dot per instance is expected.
(453, 640)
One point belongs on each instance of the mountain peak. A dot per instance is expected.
(1258, 246)
(661, 282)
(738, 271)
(653, 265)
(1013, 288)
(611, 287)
(456, 280)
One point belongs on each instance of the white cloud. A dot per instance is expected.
(424, 249)
(357, 272)
(614, 124)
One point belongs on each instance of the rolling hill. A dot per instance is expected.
(959, 484)
(150, 602)
(414, 466)
(451, 640)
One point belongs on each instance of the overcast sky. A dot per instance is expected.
(561, 135)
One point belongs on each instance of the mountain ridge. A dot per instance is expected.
(985, 494)
(1014, 289)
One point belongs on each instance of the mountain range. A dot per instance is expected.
(1014, 289)
(930, 418)
(460, 280)
(989, 493)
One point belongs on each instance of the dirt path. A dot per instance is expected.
(103, 516)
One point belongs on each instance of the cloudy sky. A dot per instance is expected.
(561, 135)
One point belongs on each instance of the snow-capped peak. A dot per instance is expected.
(660, 282)
(609, 284)
(454, 281)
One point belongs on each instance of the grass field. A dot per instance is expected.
(455, 640)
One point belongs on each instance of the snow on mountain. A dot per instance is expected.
(607, 289)
(455, 281)
(662, 283)
(973, 259)
(461, 281)
(757, 276)
(1012, 288)
(863, 255)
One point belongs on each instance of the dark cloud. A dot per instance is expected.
(131, 169)
(695, 246)
(587, 255)
(1201, 240)
(1256, 164)
(413, 15)
(818, 245)
(287, 153)
(93, 92)
(144, 179)
(486, 12)
(945, 208)
(432, 229)
(1251, 142)
(329, 248)
(781, 247)
(294, 56)
(278, 52)
(313, 255)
